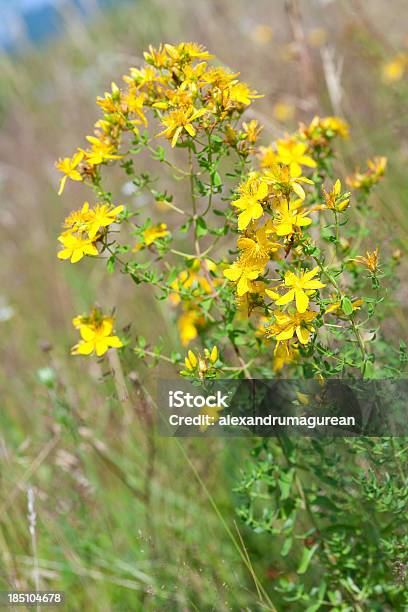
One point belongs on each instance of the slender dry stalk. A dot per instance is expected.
(32, 523)
(306, 70)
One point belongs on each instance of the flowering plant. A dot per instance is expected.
(257, 254)
(297, 279)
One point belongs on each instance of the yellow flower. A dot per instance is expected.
(214, 354)
(202, 364)
(256, 247)
(143, 77)
(93, 319)
(191, 360)
(252, 130)
(373, 174)
(178, 120)
(102, 216)
(286, 325)
(218, 77)
(284, 355)
(69, 167)
(370, 260)
(289, 218)
(96, 337)
(377, 165)
(336, 307)
(187, 325)
(151, 234)
(193, 278)
(283, 111)
(90, 220)
(176, 99)
(242, 94)
(249, 302)
(321, 131)
(187, 52)
(336, 126)
(156, 57)
(134, 103)
(101, 151)
(283, 182)
(299, 284)
(253, 191)
(268, 157)
(192, 77)
(393, 70)
(334, 200)
(261, 34)
(292, 154)
(243, 275)
(78, 220)
(111, 103)
(76, 247)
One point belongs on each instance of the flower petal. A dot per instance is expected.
(285, 299)
(311, 273)
(313, 284)
(84, 348)
(101, 346)
(87, 333)
(286, 334)
(232, 273)
(298, 190)
(303, 334)
(77, 255)
(115, 342)
(302, 301)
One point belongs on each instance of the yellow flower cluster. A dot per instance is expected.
(334, 199)
(374, 173)
(195, 281)
(151, 234)
(180, 88)
(83, 228)
(96, 331)
(202, 365)
(267, 193)
(272, 217)
(321, 131)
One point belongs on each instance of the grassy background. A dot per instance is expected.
(124, 520)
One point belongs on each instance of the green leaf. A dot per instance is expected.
(217, 181)
(369, 370)
(141, 341)
(172, 276)
(159, 154)
(202, 229)
(110, 264)
(306, 559)
(286, 547)
(285, 483)
(346, 306)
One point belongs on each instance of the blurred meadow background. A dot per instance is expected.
(125, 520)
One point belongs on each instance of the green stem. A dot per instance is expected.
(354, 328)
